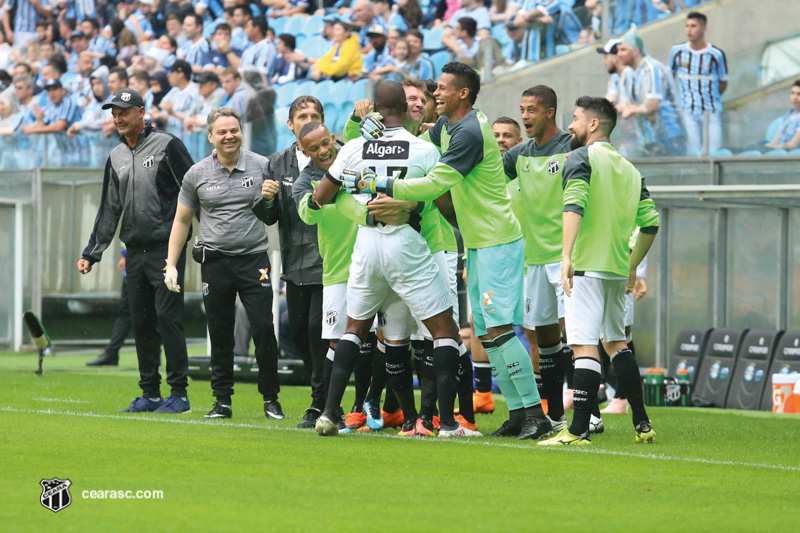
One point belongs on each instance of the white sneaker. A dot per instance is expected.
(559, 424)
(596, 425)
(326, 427)
(460, 431)
(616, 406)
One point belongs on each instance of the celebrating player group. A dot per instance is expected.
(547, 227)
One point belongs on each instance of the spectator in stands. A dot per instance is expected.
(117, 79)
(391, 38)
(196, 46)
(211, 95)
(175, 28)
(532, 16)
(788, 136)
(379, 54)
(383, 9)
(394, 68)
(292, 8)
(284, 71)
(56, 116)
(343, 59)
(619, 84)
(239, 40)
(408, 16)
(475, 10)
(86, 65)
(5, 52)
(135, 14)
(702, 73)
(503, 11)
(99, 46)
(24, 87)
(363, 19)
(175, 106)
(79, 42)
(234, 92)
(27, 14)
(215, 60)
(139, 81)
(421, 66)
(261, 53)
(463, 43)
(93, 113)
(652, 104)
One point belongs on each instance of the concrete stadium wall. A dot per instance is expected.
(734, 25)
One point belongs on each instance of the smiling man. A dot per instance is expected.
(234, 198)
(142, 179)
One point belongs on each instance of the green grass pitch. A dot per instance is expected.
(710, 470)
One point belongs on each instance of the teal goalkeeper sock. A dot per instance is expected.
(503, 379)
(520, 370)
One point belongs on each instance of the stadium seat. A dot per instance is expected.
(796, 151)
(433, 39)
(688, 352)
(721, 153)
(337, 94)
(278, 24)
(284, 94)
(321, 89)
(750, 152)
(345, 110)
(440, 59)
(562, 49)
(358, 91)
(313, 25)
(772, 129)
(294, 26)
(785, 361)
(717, 367)
(332, 119)
(776, 152)
(310, 45)
(750, 378)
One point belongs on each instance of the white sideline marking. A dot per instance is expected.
(64, 400)
(596, 451)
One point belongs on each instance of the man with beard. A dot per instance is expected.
(604, 199)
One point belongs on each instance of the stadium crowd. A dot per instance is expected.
(59, 61)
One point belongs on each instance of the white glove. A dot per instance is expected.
(171, 279)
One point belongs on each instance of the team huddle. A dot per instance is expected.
(547, 229)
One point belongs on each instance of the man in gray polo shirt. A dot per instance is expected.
(234, 198)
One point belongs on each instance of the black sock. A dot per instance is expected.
(630, 382)
(400, 379)
(586, 381)
(569, 365)
(445, 360)
(423, 355)
(551, 365)
(327, 370)
(364, 372)
(596, 405)
(378, 373)
(483, 376)
(344, 361)
(465, 407)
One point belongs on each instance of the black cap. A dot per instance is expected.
(125, 98)
(207, 77)
(52, 83)
(181, 66)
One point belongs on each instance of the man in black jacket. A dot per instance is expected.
(302, 264)
(143, 176)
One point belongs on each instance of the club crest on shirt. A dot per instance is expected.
(553, 166)
(148, 161)
(247, 181)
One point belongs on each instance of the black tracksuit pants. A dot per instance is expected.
(122, 326)
(157, 316)
(305, 316)
(223, 279)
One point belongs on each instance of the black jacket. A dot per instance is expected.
(302, 264)
(141, 186)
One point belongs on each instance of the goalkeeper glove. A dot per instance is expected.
(371, 127)
(365, 181)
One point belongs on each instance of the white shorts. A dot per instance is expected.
(394, 270)
(334, 311)
(628, 309)
(448, 265)
(544, 295)
(596, 310)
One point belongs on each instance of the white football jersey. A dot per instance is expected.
(397, 154)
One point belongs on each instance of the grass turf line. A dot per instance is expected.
(710, 469)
